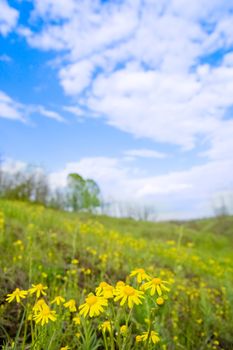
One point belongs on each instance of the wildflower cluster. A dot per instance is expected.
(107, 301)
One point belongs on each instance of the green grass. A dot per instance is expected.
(195, 257)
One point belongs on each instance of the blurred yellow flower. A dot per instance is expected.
(105, 327)
(17, 294)
(77, 320)
(38, 289)
(105, 290)
(39, 304)
(70, 304)
(93, 305)
(153, 337)
(74, 261)
(128, 294)
(58, 300)
(123, 329)
(156, 285)
(160, 301)
(44, 314)
(140, 274)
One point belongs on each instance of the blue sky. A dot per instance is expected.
(135, 94)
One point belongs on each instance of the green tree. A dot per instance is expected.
(82, 194)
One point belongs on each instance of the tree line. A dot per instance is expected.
(32, 185)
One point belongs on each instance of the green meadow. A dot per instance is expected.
(79, 281)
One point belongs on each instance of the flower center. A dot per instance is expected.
(129, 290)
(45, 311)
(156, 281)
(91, 300)
(141, 271)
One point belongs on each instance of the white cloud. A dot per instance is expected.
(5, 58)
(12, 166)
(137, 64)
(49, 114)
(145, 153)
(11, 109)
(8, 18)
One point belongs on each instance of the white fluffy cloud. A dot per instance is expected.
(8, 18)
(11, 109)
(144, 153)
(140, 65)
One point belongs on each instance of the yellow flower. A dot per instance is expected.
(39, 304)
(138, 338)
(58, 300)
(156, 285)
(44, 314)
(70, 304)
(75, 262)
(153, 337)
(105, 327)
(160, 301)
(93, 305)
(65, 347)
(128, 294)
(87, 271)
(105, 290)
(77, 320)
(120, 284)
(18, 294)
(123, 330)
(39, 289)
(141, 275)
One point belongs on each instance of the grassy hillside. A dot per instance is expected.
(56, 259)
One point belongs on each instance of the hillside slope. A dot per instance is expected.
(185, 294)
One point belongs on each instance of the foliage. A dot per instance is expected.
(83, 194)
(32, 185)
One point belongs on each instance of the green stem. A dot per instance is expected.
(105, 341)
(19, 330)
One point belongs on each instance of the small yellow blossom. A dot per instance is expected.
(70, 304)
(153, 337)
(105, 327)
(58, 300)
(105, 290)
(74, 261)
(93, 305)
(78, 335)
(160, 301)
(140, 274)
(65, 347)
(120, 284)
(44, 314)
(123, 330)
(128, 294)
(77, 320)
(18, 294)
(156, 285)
(39, 304)
(38, 289)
